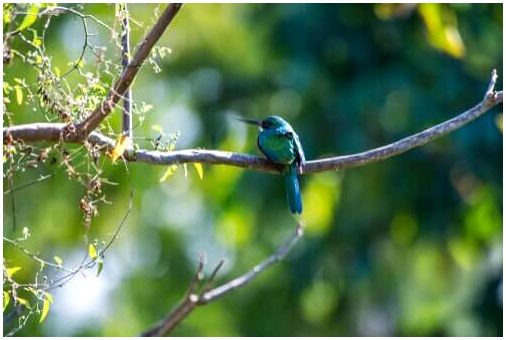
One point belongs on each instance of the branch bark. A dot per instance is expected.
(127, 96)
(193, 299)
(52, 131)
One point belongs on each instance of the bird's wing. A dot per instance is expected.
(290, 134)
(299, 152)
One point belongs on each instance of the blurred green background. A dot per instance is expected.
(409, 246)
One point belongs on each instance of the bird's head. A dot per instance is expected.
(270, 122)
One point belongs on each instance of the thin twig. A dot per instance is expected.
(210, 280)
(46, 131)
(22, 186)
(36, 257)
(199, 274)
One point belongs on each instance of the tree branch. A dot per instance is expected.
(127, 96)
(84, 128)
(52, 131)
(194, 299)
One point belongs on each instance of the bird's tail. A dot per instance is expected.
(293, 190)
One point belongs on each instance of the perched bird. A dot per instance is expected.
(280, 144)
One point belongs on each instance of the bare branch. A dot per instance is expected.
(48, 131)
(192, 300)
(127, 96)
(210, 280)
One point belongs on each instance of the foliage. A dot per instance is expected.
(409, 246)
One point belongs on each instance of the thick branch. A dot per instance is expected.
(51, 132)
(193, 300)
(92, 121)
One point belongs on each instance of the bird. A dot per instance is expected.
(278, 141)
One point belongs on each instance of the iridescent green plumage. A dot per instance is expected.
(280, 144)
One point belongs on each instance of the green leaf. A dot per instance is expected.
(58, 260)
(12, 271)
(7, 299)
(92, 251)
(185, 167)
(30, 18)
(19, 94)
(48, 300)
(169, 172)
(100, 264)
(23, 302)
(122, 143)
(200, 170)
(7, 14)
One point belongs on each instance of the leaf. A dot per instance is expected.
(7, 14)
(12, 271)
(100, 264)
(23, 302)
(121, 145)
(48, 300)
(169, 172)
(58, 260)
(92, 251)
(200, 170)
(443, 33)
(158, 128)
(30, 18)
(7, 299)
(19, 94)
(185, 167)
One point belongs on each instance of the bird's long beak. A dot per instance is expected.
(250, 121)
